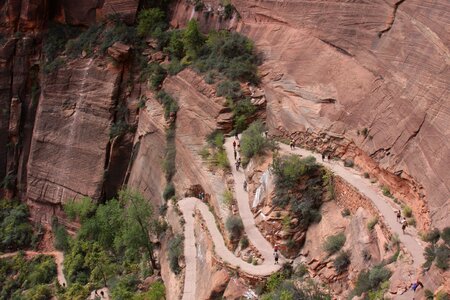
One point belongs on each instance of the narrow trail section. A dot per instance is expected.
(57, 255)
(188, 206)
(410, 240)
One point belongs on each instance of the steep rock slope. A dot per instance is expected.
(344, 66)
(71, 135)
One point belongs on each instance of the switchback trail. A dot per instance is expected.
(409, 240)
(189, 205)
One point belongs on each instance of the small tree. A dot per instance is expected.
(193, 39)
(253, 143)
(149, 20)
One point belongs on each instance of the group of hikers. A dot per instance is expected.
(236, 148)
(402, 221)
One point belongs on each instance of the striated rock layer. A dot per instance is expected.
(374, 76)
(71, 135)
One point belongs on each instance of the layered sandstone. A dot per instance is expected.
(340, 67)
(71, 135)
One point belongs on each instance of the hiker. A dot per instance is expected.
(238, 163)
(276, 255)
(236, 136)
(102, 294)
(399, 216)
(235, 154)
(323, 156)
(416, 284)
(245, 185)
(239, 146)
(404, 224)
(234, 145)
(275, 248)
(291, 144)
(266, 133)
(329, 156)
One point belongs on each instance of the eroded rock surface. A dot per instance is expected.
(71, 135)
(344, 66)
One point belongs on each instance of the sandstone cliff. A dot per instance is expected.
(335, 69)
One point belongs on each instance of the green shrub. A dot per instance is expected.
(442, 295)
(244, 242)
(216, 139)
(193, 39)
(15, 230)
(228, 11)
(372, 222)
(169, 103)
(56, 38)
(234, 226)
(442, 257)
(227, 197)
(39, 292)
(169, 191)
(149, 20)
(301, 270)
(252, 141)
(175, 46)
(229, 53)
(157, 291)
(341, 262)
(155, 74)
(429, 295)
(365, 132)
(274, 281)
(407, 211)
(289, 169)
(243, 111)
(229, 89)
(370, 280)
(445, 235)
(81, 209)
(385, 190)
(348, 162)
(334, 243)
(175, 251)
(86, 41)
(61, 237)
(174, 67)
(220, 159)
(204, 153)
(54, 65)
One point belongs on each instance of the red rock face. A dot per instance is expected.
(71, 134)
(340, 67)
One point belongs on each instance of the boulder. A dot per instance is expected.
(119, 51)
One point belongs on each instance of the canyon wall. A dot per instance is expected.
(365, 80)
(373, 75)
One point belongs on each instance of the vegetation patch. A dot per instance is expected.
(341, 262)
(175, 252)
(371, 280)
(334, 243)
(372, 222)
(113, 246)
(234, 226)
(15, 230)
(253, 142)
(298, 183)
(21, 278)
